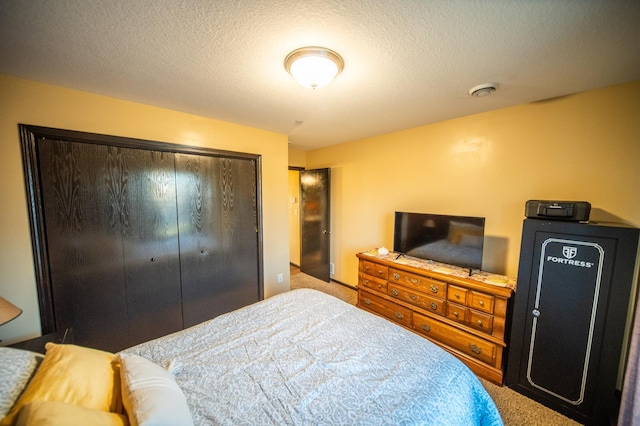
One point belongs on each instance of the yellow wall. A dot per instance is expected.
(297, 158)
(294, 217)
(580, 147)
(27, 102)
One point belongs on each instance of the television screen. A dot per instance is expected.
(456, 240)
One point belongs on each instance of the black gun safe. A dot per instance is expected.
(575, 283)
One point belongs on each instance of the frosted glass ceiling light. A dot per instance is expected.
(313, 67)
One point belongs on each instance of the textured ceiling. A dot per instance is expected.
(407, 62)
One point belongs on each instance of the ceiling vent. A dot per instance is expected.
(483, 90)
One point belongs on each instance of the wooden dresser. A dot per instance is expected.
(466, 315)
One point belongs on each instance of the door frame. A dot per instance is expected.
(298, 226)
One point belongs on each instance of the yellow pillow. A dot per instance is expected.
(76, 375)
(50, 413)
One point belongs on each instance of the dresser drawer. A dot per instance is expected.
(423, 284)
(481, 321)
(481, 301)
(475, 319)
(457, 294)
(374, 269)
(458, 313)
(457, 339)
(421, 300)
(385, 308)
(372, 282)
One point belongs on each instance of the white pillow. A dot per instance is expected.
(151, 395)
(16, 368)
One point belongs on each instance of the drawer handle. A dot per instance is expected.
(456, 314)
(395, 292)
(414, 281)
(379, 285)
(457, 296)
(434, 289)
(481, 302)
(480, 323)
(475, 349)
(413, 297)
(396, 276)
(399, 315)
(367, 300)
(380, 272)
(425, 327)
(433, 305)
(366, 268)
(367, 281)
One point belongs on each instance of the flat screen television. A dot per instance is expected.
(456, 240)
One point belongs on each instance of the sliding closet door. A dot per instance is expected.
(217, 216)
(111, 227)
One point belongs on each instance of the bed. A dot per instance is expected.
(302, 358)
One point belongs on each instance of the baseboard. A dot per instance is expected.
(352, 287)
(345, 284)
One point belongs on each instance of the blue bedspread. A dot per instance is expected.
(307, 358)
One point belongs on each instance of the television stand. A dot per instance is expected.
(464, 311)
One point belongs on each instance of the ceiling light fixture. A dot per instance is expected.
(483, 89)
(313, 67)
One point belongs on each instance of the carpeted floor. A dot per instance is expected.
(516, 409)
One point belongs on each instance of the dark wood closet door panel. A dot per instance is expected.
(218, 235)
(150, 244)
(199, 223)
(80, 187)
(239, 232)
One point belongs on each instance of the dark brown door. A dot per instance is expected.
(315, 241)
(84, 243)
(112, 243)
(150, 244)
(218, 235)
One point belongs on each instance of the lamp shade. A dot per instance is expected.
(8, 311)
(313, 67)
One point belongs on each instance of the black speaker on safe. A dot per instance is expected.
(569, 317)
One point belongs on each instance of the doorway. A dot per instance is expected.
(294, 216)
(312, 217)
